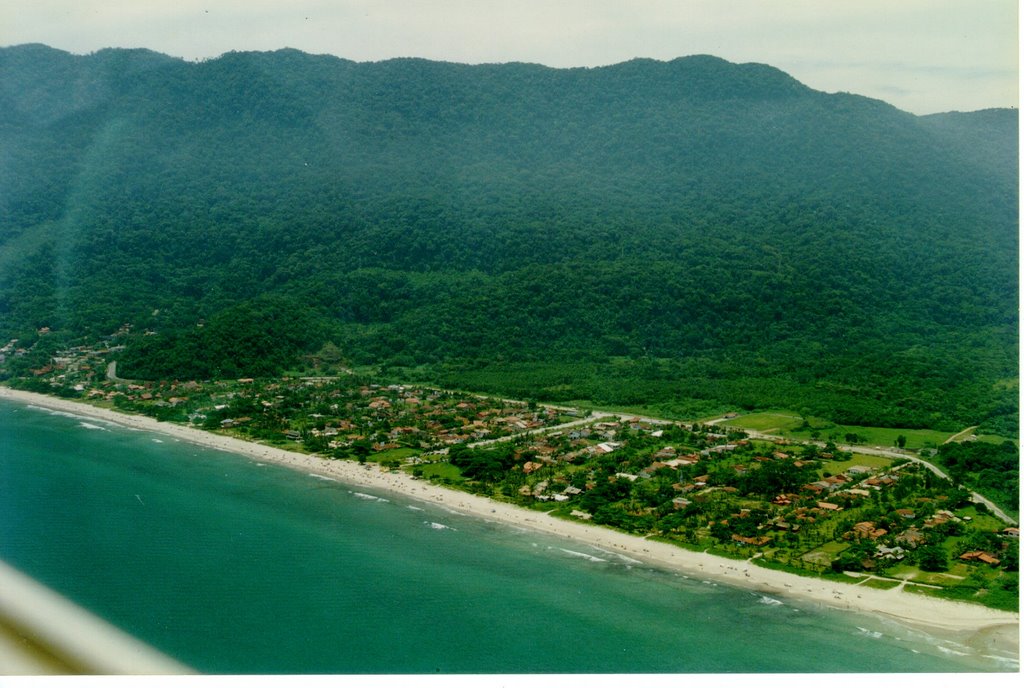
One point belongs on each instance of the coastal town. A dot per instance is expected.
(880, 520)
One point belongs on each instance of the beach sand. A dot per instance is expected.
(987, 631)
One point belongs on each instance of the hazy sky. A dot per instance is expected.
(920, 55)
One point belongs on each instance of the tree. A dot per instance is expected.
(901, 441)
(362, 449)
(932, 558)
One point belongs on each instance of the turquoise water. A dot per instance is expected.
(234, 567)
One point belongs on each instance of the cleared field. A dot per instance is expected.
(777, 422)
(394, 454)
(790, 424)
(438, 470)
(871, 461)
(998, 439)
(879, 584)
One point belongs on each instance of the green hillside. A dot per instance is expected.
(693, 233)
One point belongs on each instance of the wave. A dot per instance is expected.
(437, 526)
(951, 651)
(363, 495)
(771, 601)
(414, 508)
(1009, 662)
(588, 557)
(158, 441)
(69, 414)
(92, 426)
(321, 477)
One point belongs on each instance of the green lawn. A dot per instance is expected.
(998, 439)
(438, 471)
(777, 422)
(980, 521)
(789, 424)
(869, 460)
(874, 437)
(394, 454)
(879, 584)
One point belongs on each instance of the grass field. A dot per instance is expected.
(438, 471)
(789, 424)
(871, 461)
(998, 439)
(879, 584)
(394, 454)
(771, 422)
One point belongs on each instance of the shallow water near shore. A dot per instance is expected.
(235, 567)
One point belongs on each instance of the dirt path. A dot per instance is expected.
(962, 433)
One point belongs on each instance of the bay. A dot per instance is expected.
(235, 567)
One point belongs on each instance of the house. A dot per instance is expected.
(867, 529)
(883, 481)
(719, 449)
(858, 470)
(829, 506)
(756, 541)
(531, 466)
(1011, 532)
(978, 555)
(905, 513)
(835, 481)
(911, 537)
(681, 503)
(891, 553)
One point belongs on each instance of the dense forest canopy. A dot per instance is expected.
(691, 232)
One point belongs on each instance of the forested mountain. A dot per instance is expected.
(692, 232)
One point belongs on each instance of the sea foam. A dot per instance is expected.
(363, 495)
(588, 557)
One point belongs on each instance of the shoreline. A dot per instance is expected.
(985, 630)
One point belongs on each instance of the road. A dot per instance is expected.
(890, 453)
(112, 373)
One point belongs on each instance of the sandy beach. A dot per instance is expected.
(986, 630)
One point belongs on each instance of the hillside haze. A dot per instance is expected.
(695, 233)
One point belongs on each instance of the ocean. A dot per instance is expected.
(233, 567)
